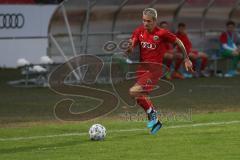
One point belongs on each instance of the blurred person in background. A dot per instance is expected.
(194, 54)
(229, 48)
(171, 56)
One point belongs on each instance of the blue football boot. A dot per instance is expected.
(153, 119)
(156, 127)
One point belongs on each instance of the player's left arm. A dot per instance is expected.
(187, 61)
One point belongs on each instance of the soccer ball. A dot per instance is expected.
(97, 132)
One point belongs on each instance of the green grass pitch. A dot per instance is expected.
(208, 136)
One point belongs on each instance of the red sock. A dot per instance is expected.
(178, 64)
(144, 102)
(168, 63)
(194, 63)
(204, 63)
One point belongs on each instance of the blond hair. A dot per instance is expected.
(150, 12)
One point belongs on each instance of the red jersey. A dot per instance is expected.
(168, 47)
(186, 42)
(151, 45)
(224, 37)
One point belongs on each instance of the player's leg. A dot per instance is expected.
(179, 59)
(153, 121)
(204, 60)
(156, 127)
(194, 57)
(148, 75)
(235, 61)
(168, 60)
(234, 56)
(140, 94)
(136, 90)
(178, 62)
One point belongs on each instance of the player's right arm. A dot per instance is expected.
(133, 41)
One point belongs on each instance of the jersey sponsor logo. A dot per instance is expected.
(155, 38)
(148, 45)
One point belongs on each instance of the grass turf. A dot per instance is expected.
(27, 114)
(213, 141)
(36, 104)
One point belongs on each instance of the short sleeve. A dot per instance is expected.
(186, 42)
(169, 37)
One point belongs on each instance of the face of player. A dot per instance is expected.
(148, 22)
(164, 26)
(230, 28)
(182, 29)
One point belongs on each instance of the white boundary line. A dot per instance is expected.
(117, 131)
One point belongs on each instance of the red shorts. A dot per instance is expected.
(148, 75)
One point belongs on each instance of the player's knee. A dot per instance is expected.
(135, 91)
(178, 56)
(132, 92)
(203, 55)
(168, 56)
(193, 57)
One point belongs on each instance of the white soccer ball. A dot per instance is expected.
(97, 132)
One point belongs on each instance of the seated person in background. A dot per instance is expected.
(170, 56)
(194, 55)
(229, 49)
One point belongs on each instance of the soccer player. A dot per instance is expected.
(229, 49)
(193, 54)
(150, 39)
(170, 55)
